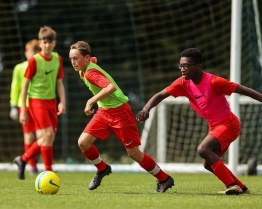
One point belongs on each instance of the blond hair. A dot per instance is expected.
(46, 33)
(83, 47)
(32, 45)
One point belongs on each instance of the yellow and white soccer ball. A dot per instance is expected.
(47, 182)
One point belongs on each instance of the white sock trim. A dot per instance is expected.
(96, 161)
(155, 170)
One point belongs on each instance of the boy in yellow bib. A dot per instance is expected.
(45, 76)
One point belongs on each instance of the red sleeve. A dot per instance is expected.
(31, 68)
(60, 71)
(177, 88)
(222, 86)
(97, 78)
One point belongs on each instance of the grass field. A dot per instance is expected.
(127, 191)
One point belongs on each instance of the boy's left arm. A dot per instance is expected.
(61, 92)
(101, 95)
(14, 95)
(248, 92)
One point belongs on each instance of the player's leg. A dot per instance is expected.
(226, 133)
(215, 144)
(31, 153)
(46, 120)
(46, 147)
(31, 147)
(164, 181)
(126, 130)
(207, 166)
(96, 128)
(224, 144)
(85, 142)
(238, 182)
(29, 139)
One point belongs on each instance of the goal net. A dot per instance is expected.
(138, 43)
(174, 131)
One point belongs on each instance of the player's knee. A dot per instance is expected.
(29, 138)
(135, 154)
(83, 144)
(202, 150)
(49, 134)
(131, 154)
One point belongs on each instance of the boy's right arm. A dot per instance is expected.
(23, 115)
(154, 101)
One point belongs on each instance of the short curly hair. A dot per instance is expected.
(194, 54)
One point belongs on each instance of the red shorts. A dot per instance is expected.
(226, 132)
(120, 121)
(44, 113)
(30, 126)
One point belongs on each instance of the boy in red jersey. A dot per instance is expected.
(30, 128)
(113, 115)
(45, 76)
(206, 94)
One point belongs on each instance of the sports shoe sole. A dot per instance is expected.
(224, 192)
(234, 190)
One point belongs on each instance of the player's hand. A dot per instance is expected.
(61, 109)
(14, 113)
(23, 118)
(142, 115)
(88, 109)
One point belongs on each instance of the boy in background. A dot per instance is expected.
(30, 131)
(45, 76)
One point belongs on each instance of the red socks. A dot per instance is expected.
(46, 152)
(47, 157)
(94, 157)
(32, 161)
(32, 152)
(147, 163)
(239, 183)
(150, 166)
(222, 172)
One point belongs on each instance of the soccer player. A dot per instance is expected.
(206, 94)
(113, 115)
(45, 76)
(30, 130)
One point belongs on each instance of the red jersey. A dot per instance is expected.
(207, 98)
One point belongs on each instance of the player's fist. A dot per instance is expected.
(93, 59)
(142, 115)
(14, 113)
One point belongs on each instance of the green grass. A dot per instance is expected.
(127, 191)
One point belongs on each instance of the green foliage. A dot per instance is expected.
(128, 191)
